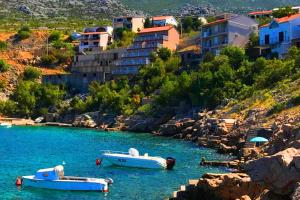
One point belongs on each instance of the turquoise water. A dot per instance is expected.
(23, 150)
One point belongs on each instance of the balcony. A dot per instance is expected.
(132, 62)
(149, 38)
(136, 54)
(125, 70)
(212, 33)
(145, 46)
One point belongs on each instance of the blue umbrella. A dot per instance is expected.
(259, 139)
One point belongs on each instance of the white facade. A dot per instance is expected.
(164, 21)
(279, 35)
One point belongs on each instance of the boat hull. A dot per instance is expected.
(29, 181)
(135, 162)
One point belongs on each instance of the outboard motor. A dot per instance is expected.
(170, 162)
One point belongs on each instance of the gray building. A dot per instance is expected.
(227, 29)
(86, 68)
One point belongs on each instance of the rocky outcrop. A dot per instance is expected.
(230, 186)
(85, 121)
(279, 173)
(84, 8)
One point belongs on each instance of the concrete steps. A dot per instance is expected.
(252, 133)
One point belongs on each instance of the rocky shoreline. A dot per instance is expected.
(266, 172)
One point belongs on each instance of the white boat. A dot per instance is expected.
(133, 159)
(6, 124)
(53, 178)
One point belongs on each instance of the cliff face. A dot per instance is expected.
(67, 8)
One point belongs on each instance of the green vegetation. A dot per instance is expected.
(3, 46)
(60, 52)
(147, 23)
(124, 38)
(31, 74)
(284, 11)
(2, 85)
(23, 33)
(55, 36)
(32, 99)
(231, 76)
(190, 24)
(3, 66)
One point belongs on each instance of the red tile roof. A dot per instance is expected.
(263, 12)
(284, 19)
(93, 33)
(216, 22)
(156, 29)
(158, 18)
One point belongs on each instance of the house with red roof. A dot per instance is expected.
(280, 34)
(260, 14)
(227, 29)
(147, 41)
(164, 21)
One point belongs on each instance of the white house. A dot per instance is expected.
(280, 34)
(95, 39)
(164, 21)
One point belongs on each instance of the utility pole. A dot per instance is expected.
(47, 46)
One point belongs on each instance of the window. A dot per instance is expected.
(84, 75)
(281, 36)
(267, 39)
(85, 43)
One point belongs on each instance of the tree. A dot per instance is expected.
(164, 53)
(147, 23)
(187, 24)
(250, 47)
(235, 54)
(283, 12)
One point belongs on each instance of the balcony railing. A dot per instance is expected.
(125, 70)
(129, 61)
(141, 46)
(154, 37)
(136, 54)
(208, 33)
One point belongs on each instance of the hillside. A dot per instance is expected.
(65, 8)
(223, 5)
(21, 54)
(99, 9)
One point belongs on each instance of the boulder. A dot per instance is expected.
(279, 172)
(229, 186)
(85, 121)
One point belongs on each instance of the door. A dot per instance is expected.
(281, 36)
(267, 39)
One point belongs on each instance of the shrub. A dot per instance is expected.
(3, 45)
(31, 73)
(2, 85)
(24, 33)
(3, 66)
(48, 60)
(295, 100)
(278, 107)
(54, 36)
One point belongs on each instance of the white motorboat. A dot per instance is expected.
(6, 124)
(133, 159)
(53, 178)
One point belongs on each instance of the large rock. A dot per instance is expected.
(230, 186)
(85, 121)
(279, 172)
